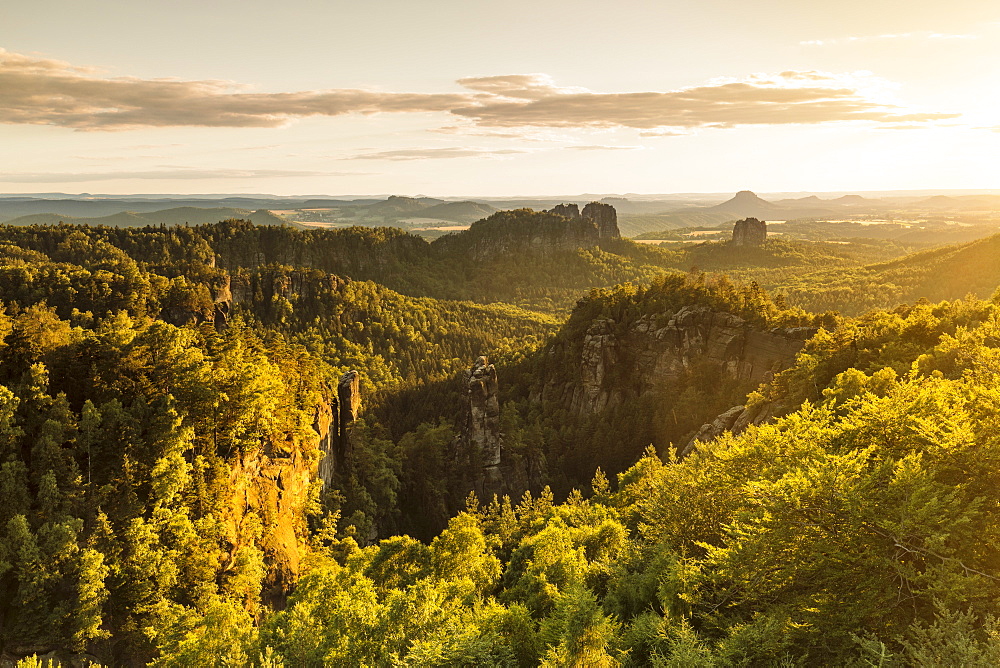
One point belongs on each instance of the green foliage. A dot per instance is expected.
(158, 500)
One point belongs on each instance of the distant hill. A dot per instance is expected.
(951, 272)
(459, 212)
(744, 204)
(856, 200)
(626, 206)
(811, 200)
(397, 206)
(176, 216)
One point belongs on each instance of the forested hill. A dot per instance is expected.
(238, 445)
(568, 254)
(948, 272)
(176, 216)
(163, 422)
(577, 255)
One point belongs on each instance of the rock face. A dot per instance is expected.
(222, 298)
(333, 422)
(749, 232)
(327, 425)
(274, 483)
(605, 217)
(568, 210)
(349, 399)
(734, 420)
(523, 231)
(618, 362)
(484, 411)
(479, 436)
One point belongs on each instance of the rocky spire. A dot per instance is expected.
(333, 422)
(349, 398)
(568, 210)
(480, 436)
(749, 232)
(604, 217)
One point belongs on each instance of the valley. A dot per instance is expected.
(298, 419)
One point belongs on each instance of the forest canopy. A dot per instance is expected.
(188, 477)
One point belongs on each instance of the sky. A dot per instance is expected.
(485, 98)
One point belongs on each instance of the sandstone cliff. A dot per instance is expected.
(734, 420)
(617, 361)
(749, 232)
(333, 422)
(525, 231)
(479, 440)
(274, 485)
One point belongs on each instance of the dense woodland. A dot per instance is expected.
(161, 400)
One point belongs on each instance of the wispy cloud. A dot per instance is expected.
(159, 174)
(434, 153)
(596, 147)
(787, 98)
(855, 39)
(663, 133)
(50, 92)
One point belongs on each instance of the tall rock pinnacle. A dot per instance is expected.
(480, 437)
(749, 232)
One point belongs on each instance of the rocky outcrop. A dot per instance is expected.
(734, 420)
(568, 210)
(605, 217)
(524, 231)
(712, 430)
(600, 216)
(749, 232)
(618, 362)
(326, 423)
(196, 310)
(273, 483)
(333, 422)
(222, 298)
(349, 399)
(479, 440)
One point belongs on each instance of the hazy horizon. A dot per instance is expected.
(919, 192)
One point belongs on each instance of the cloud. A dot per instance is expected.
(178, 174)
(49, 92)
(605, 148)
(786, 98)
(663, 133)
(518, 86)
(855, 39)
(433, 154)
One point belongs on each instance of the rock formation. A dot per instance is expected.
(197, 312)
(479, 437)
(617, 362)
(333, 422)
(522, 231)
(222, 297)
(349, 399)
(604, 217)
(749, 232)
(734, 420)
(568, 210)
(274, 483)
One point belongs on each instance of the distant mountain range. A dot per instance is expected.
(175, 216)
(637, 216)
(397, 207)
